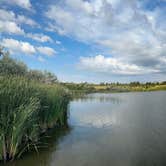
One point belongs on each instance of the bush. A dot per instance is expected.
(26, 107)
(18, 109)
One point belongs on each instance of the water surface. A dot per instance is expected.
(121, 129)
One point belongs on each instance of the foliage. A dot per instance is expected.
(18, 110)
(26, 109)
(9, 66)
(30, 102)
(54, 100)
(115, 87)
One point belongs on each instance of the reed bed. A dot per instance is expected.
(28, 108)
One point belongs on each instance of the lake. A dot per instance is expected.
(120, 129)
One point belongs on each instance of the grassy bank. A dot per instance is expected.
(28, 108)
(31, 101)
(83, 88)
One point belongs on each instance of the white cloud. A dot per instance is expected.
(80, 5)
(6, 15)
(10, 22)
(39, 37)
(110, 65)
(135, 49)
(10, 27)
(46, 50)
(16, 46)
(25, 20)
(129, 32)
(41, 59)
(26, 4)
(58, 42)
(64, 18)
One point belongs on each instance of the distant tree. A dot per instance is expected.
(10, 66)
(1, 51)
(157, 83)
(148, 83)
(102, 83)
(45, 77)
(163, 83)
(36, 75)
(50, 78)
(117, 83)
(134, 83)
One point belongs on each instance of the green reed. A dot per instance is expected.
(28, 108)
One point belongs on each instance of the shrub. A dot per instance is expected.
(26, 107)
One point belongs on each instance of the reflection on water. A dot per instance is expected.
(49, 144)
(99, 97)
(122, 129)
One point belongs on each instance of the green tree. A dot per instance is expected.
(50, 78)
(9, 66)
(1, 51)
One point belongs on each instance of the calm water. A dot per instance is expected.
(122, 129)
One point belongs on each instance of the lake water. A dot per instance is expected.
(121, 129)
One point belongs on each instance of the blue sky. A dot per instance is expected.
(88, 40)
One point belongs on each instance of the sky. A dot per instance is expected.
(88, 40)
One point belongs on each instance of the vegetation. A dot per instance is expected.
(30, 102)
(80, 88)
(9, 66)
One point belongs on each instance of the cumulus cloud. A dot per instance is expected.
(25, 20)
(10, 27)
(16, 46)
(11, 23)
(103, 64)
(26, 4)
(46, 50)
(7, 15)
(133, 48)
(40, 37)
(130, 32)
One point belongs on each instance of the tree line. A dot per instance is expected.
(10, 66)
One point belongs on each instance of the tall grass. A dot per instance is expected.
(54, 100)
(26, 108)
